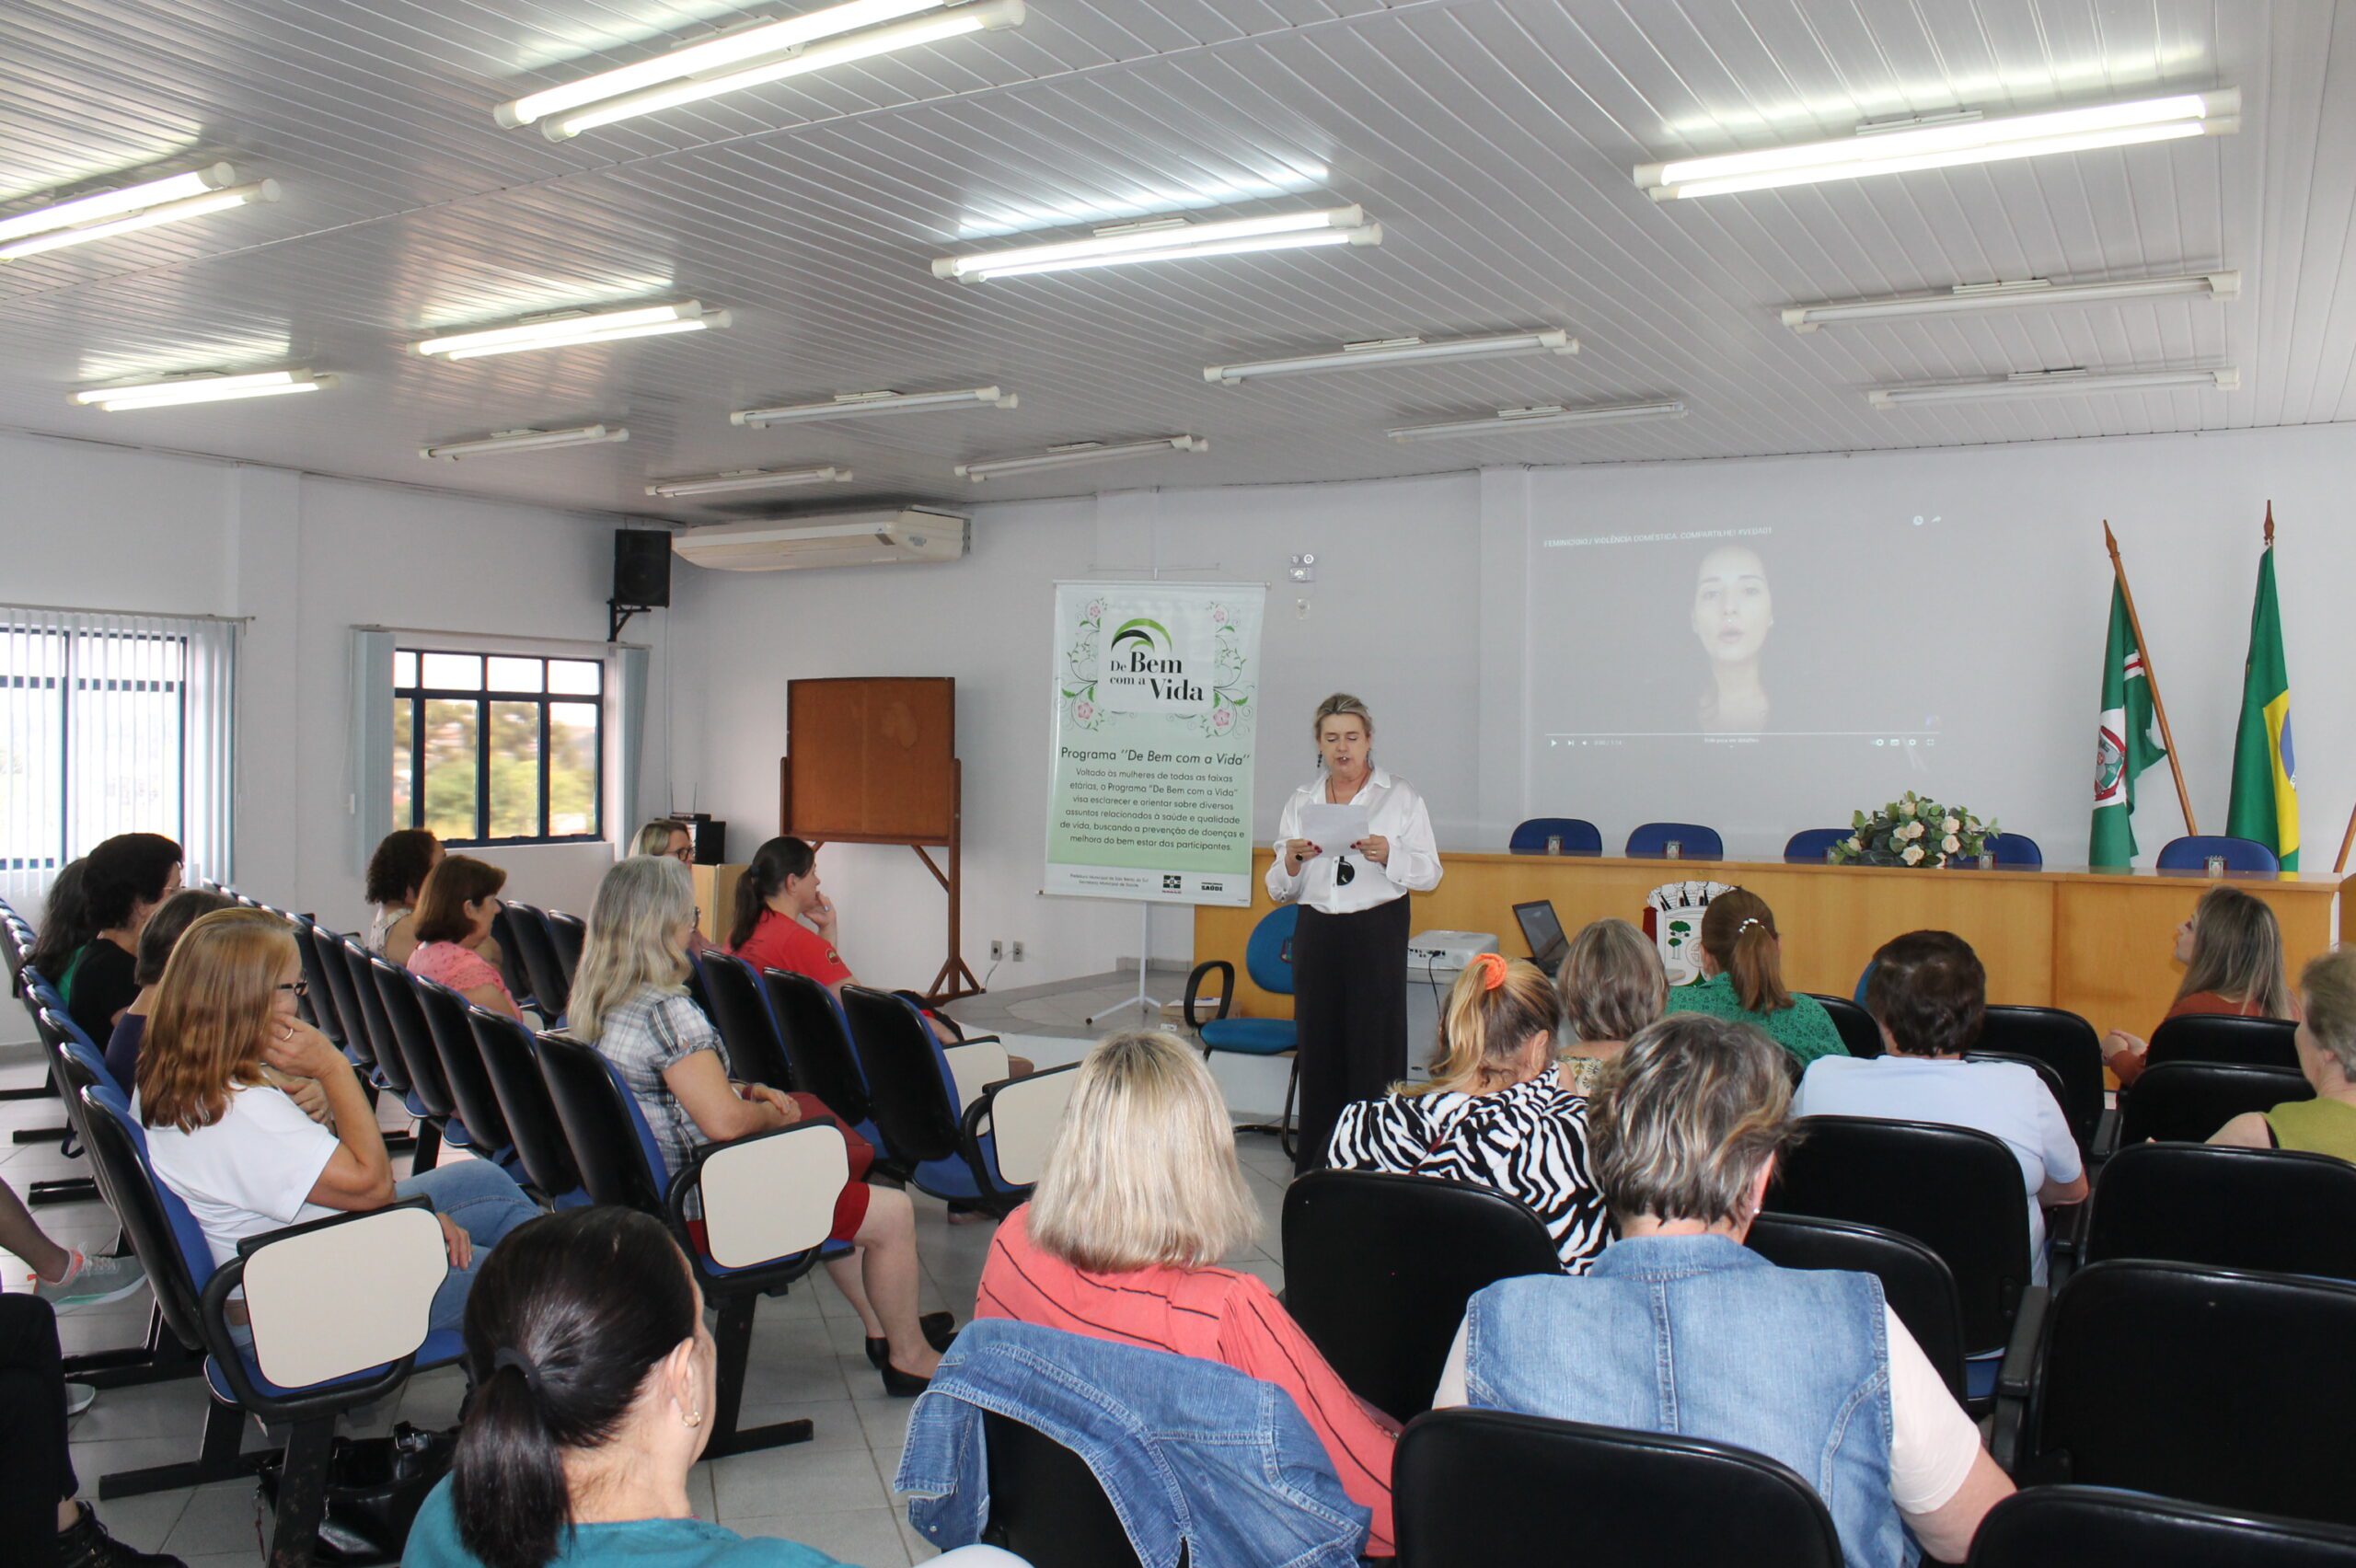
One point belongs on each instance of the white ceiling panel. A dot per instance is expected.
(1493, 140)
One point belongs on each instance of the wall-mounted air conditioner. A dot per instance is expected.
(857, 538)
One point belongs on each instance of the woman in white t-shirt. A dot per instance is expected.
(1928, 992)
(236, 1148)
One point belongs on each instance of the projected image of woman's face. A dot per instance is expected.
(1732, 606)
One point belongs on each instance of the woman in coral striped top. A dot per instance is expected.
(1120, 1242)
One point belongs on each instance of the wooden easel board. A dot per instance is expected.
(870, 759)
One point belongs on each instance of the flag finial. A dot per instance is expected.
(2270, 525)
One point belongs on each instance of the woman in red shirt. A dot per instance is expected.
(1122, 1237)
(776, 892)
(2231, 952)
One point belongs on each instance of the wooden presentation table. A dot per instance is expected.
(2097, 942)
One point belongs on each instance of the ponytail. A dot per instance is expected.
(763, 880)
(1494, 1008)
(566, 1320)
(1739, 933)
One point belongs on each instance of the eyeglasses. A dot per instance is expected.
(300, 987)
(1344, 872)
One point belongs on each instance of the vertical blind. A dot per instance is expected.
(113, 724)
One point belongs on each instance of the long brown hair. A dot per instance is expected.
(1494, 1008)
(2237, 952)
(1739, 933)
(212, 1006)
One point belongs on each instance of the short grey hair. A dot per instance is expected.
(1692, 1110)
(1338, 706)
(2327, 985)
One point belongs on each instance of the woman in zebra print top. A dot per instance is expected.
(1493, 1114)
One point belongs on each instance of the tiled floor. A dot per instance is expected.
(833, 1493)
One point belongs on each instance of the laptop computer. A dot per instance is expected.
(1544, 931)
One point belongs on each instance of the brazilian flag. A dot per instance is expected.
(2265, 785)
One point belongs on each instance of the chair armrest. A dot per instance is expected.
(2017, 1379)
(2106, 1142)
(768, 1198)
(1033, 1110)
(973, 1066)
(325, 1301)
(1194, 986)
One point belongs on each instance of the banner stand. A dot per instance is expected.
(1148, 1007)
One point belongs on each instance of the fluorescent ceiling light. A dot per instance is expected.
(524, 441)
(751, 56)
(2008, 297)
(858, 404)
(1168, 239)
(1548, 416)
(2051, 383)
(567, 328)
(748, 479)
(1078, 452)
(1944, 141)
(1400, 351)
(208, 387)
(109, 212)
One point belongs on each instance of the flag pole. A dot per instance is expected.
(2346, 839)
(2135, 623)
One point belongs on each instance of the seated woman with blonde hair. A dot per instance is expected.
(2231, 946)
(1122, 1237)
(1611, 985)
(1493, 1114)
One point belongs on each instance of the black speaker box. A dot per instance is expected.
(642, 567)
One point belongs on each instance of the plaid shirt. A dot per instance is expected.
(644, 1038)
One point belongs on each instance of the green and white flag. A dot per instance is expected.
(2125, 744)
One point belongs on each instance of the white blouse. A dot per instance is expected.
(1394, 812)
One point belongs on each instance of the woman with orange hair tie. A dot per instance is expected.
(1493, 1113)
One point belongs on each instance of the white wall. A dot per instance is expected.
(307, 559)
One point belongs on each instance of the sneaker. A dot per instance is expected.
(91, 1282)
(79, 1397)
(87, 1545)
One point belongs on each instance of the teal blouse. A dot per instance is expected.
(1804, 1028)
(642, 1544)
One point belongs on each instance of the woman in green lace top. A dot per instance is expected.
(1742, 978)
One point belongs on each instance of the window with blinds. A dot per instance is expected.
(112, 723)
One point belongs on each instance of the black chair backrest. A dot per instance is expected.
(511, 957)
(570, 933)
(471, 1095)
(2207, 1384)
(2187, 1102)
(397, 989)
(1378, 1268)
(337, 974)
(322, 1001)
(510, 1060)
(2064, 1041)
(2275, 1210)
(597, 1125)
(741, 1013)
(2046, 1075)
(817, 1042)
(122, 1181)
(2222, 1037)
(1916, 1284)
(2101, 1526)
(1956, 1190)
(536, 950)
(1858, 1031)
(360, 966)
(1487, 1489)
(911, 1105)
(1047, 1506)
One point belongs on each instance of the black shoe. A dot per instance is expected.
(903, 1385)
(939, 1328)
(87, 1545)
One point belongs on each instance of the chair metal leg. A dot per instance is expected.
(428, 1148)
(162, 1359)
(734, 1341)
(218, 1459)
(63, 1190)
(302, 1493)
(41, 1134)
(29, 1092)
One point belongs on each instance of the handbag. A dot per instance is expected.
(375, 1485)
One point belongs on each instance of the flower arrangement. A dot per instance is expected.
(1912, 832)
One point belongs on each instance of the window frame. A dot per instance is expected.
(484, 698)
(64, 683)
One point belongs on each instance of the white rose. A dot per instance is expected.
(1913, 854)
(1914, 830)
(1950, 843)
(1853, 846)
(1906, 808)
(1949, 826)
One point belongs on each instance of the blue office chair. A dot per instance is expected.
(1268, 958)
(2191, 853)
(1578, 835)
(1809, 844)
(1695, 842)
(2016, 849)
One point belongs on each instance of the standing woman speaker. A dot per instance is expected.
(1350, 953)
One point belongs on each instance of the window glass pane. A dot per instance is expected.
(514, 769)
(123, 728)
(404, 758)
(515, 674)
(32, 709)
(450, 766)
(576, 678)
(453, 672)
(572, 769)
(404, 669)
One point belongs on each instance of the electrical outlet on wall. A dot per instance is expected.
(998, 950)
(1018, 952)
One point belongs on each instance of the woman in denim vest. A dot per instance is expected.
(1678, 1327)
